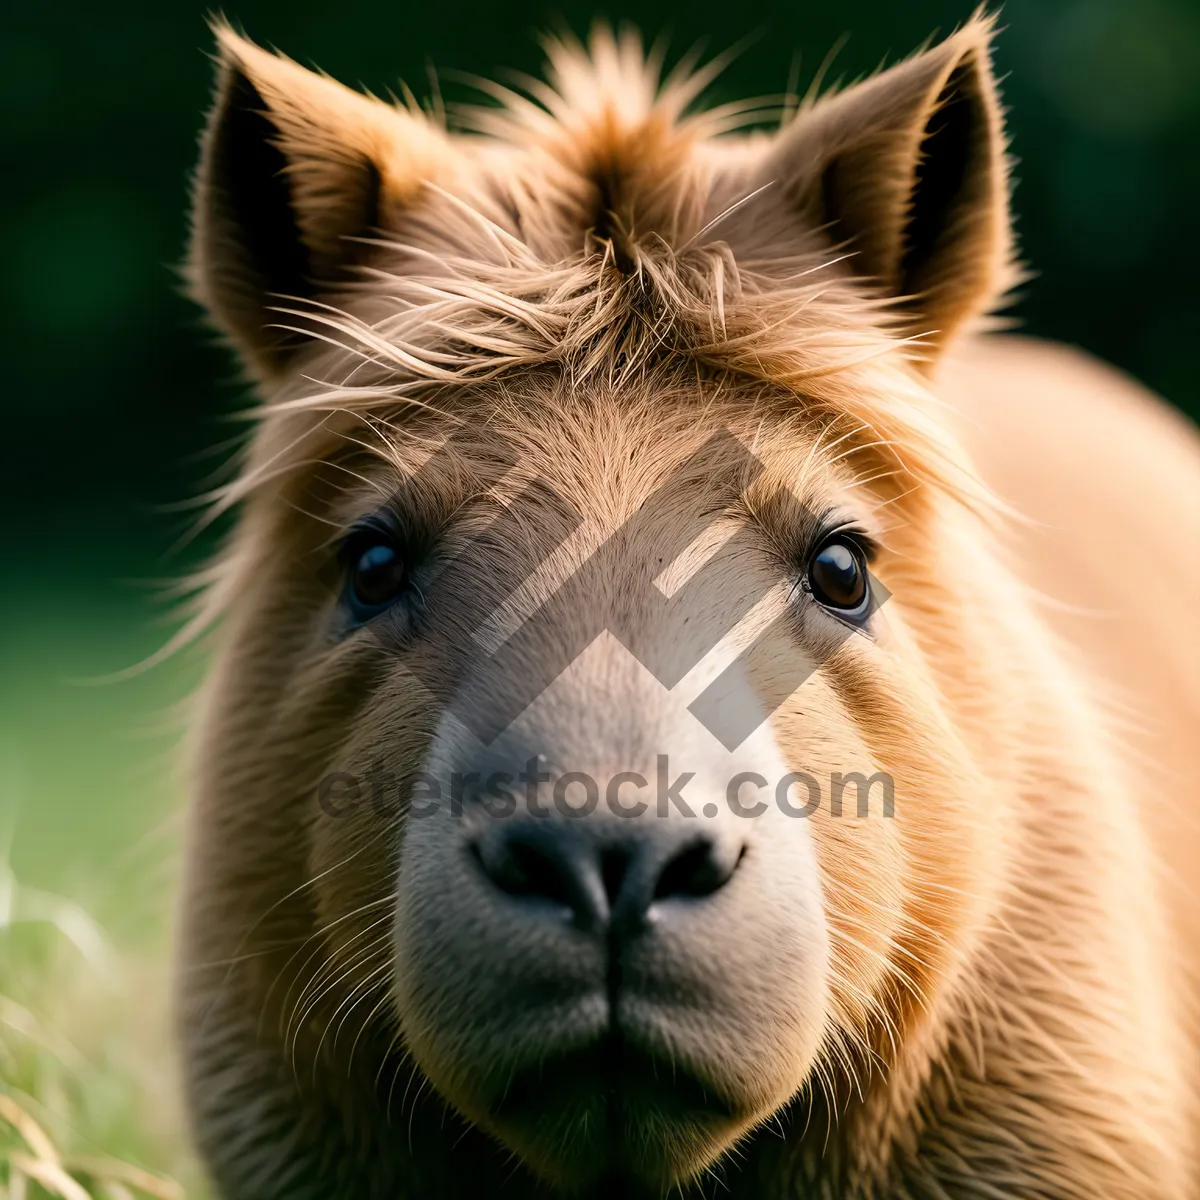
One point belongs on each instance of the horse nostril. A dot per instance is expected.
(542, 864)
(699, 869)
(595, 883)
(523, 868)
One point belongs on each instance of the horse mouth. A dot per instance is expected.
(625, 1080)
(614, 1111)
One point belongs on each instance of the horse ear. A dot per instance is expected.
(907, 171)
(293, 168)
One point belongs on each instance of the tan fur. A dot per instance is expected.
(987, 994)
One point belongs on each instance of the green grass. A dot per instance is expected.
(88, 1106)
(89, 818)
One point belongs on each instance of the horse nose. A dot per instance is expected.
(602, 884)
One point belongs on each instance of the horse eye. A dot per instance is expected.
(837, 577)
(377, 576)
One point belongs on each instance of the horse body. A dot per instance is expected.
(1096, 468)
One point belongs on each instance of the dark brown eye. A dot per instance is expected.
(377, 577)
(837, 577)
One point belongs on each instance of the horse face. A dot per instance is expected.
(614, 806)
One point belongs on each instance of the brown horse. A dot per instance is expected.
(690, 715)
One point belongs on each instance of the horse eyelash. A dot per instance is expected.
(852, 531)
(382, 524)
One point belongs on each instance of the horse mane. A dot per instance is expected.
(583, 237)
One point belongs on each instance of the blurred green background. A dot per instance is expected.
(116, 400)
